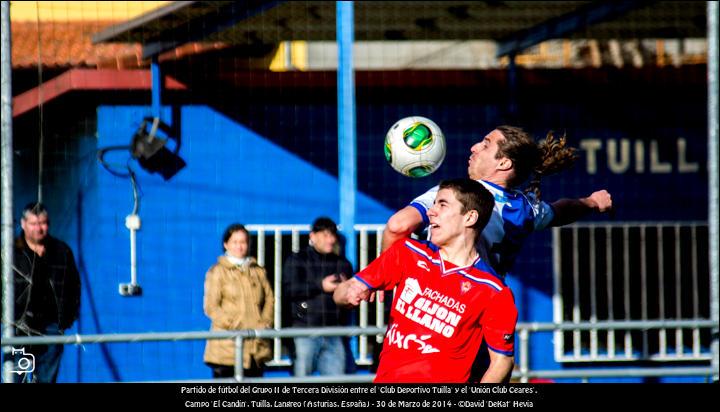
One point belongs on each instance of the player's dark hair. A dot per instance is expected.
(472, 195)
(541, 159)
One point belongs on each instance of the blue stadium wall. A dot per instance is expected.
(274, 160)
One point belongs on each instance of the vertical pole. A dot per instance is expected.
(662, 333)
(627, 338)
(524, 355)
(277, 284)
(609, 284)
(695, 289)
(346, 126)
(379, 306)
(362, 340)
(713, 180)
(558, 313)
(643, 290)
(576, 318)
(239, 345)
(679, 347)
(133, 257)
(8, 294)
(156, 85)
(593, 294)
(513, 86)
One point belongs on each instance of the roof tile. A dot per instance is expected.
(69, 44)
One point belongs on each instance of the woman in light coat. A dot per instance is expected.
(237, 296)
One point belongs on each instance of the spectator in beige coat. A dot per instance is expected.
(237, 296)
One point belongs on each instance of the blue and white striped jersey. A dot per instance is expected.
(515, 216)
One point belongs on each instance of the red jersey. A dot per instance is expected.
(439, 315)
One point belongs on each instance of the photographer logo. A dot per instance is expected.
(24, 362)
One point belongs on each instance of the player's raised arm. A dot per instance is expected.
(571, 210)
(350, 293)
(401, 225)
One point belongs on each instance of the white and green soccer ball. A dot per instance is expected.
(415, 146)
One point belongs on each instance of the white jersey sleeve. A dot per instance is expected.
(544, 213)
(424, 202)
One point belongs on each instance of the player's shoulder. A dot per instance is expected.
(423, 248)
(531, 198)
(504, 195)
(421, 244)
(482, 273)
(516, 205)
(496, 190)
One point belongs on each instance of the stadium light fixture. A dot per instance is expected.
(150, 150)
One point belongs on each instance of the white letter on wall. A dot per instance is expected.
(656, 166)
(683, 165)
(639, 156)
(591, 146)
(622, 165)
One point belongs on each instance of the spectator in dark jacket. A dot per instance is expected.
(309, 280)
(47, 291)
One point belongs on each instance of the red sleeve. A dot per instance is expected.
(385, 272)
(498, 322)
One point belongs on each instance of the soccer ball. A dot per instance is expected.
(415, 146)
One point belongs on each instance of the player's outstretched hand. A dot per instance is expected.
(351, 293)
(602, 200)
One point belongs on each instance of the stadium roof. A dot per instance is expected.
(514, 24)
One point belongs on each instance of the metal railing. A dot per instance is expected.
(365, 231)
(606, 268)
(523, 372)
(630, 271)
(524, 330)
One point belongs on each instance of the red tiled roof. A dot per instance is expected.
(69, 44)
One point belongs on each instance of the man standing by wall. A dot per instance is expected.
(309, 280)
(47, 289)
